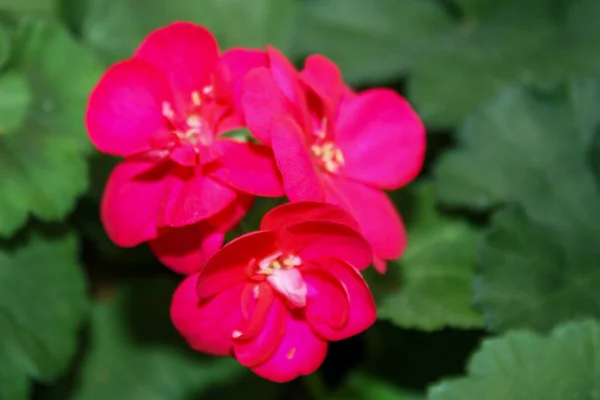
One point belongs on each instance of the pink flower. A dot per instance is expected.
(182, 184)
(334, 145)
(273, 298)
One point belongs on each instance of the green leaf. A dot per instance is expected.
(14, 101)
(529, 148)
(240, 135)
(135, 352)
(42, 303)
(525, 366)
(5, 45)
(536, 276)
(42, 165)
(362, 386)
(28, 6)
(436, 271)
(505, 42)
(371, 41)
(234, 22)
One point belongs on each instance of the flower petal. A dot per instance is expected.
(248, 167)
(228, 219)
(132, 201)
(378, 218)
(201, 197)
(187, 54)
(125, 108)
(229, 265)
(262, 99)
(325, 79)
(301, 211)
(301, 352)
(204, 324)
(261, 346)
(359, 303)
(288, 80)
(301, 181)
(382, 139)
(311, 240)
(328, 301)
(237, 62)
(185, 250)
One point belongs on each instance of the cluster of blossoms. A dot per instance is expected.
(274, 297)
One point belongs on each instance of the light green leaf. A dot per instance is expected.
(28, 6)
(503, 43)
(14, 101)
(42, 165)
(436, 271)
(529, 148)
(234, 22)
(136, 354)
(525, 366)
(42, 303)
(371, 41)
(536, 276)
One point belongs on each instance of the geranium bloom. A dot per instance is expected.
(183, 183)
(273, 298)
(334, 145)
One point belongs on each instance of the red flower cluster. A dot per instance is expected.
(271, 298)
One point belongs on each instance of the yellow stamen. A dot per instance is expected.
(167, 110)
(196, 98)
(291, 353)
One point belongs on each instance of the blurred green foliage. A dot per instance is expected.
(503, 226)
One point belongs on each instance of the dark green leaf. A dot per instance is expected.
(234, 22)
(436, 271)
(5, 45)
(42, 166)
(371, 40)
(42, 303)
(526, 366)
(361, 386)
(14, 101)
(536, 276)
(529, 148)
(503, 43)
(136, 354)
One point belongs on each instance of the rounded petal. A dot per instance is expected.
(311, 240)
(132, 200)
(234, 65)
(227, 219)
(261, 101)
(185, 250)
(200, 197)
(203, 323)
(301, 352)
(379, 220)
(328, 301)
(229, 266)
(325, 300)
(288, 80)
(382, 139)
(125, 108)
(249, 168)
(270, 325)
(301, 211)
(325, 79)
(187, 54)
(301, 181)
